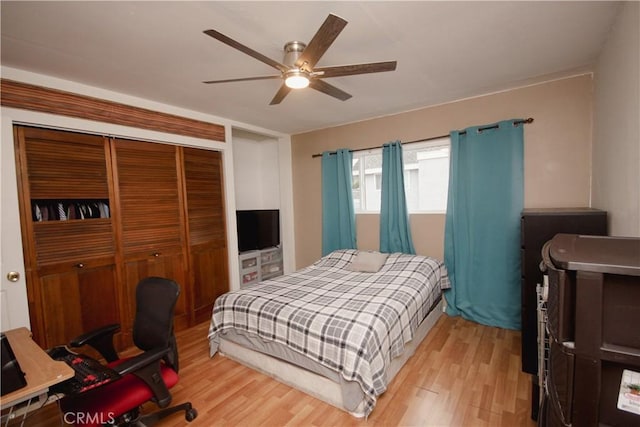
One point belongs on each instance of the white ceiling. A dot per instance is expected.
(445, 51)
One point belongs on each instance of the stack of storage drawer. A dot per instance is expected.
(537, 226)
(593, 310)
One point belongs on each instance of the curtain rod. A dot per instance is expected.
(529, 120)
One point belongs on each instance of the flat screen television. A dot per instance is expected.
(258, 229)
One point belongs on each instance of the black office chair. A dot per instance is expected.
(145, 377)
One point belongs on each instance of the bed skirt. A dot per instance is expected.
(341, 394)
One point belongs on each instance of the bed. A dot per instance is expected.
(339, 329)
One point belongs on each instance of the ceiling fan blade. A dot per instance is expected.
(244, 79)
(242, 48)
(282, 92)
(330, 90)
(324, 37)
(350, 70)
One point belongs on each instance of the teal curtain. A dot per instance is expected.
(338, 214)
(482, 228)
(395, 232)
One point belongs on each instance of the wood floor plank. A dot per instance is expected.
(463, 374)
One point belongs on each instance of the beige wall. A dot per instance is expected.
(616, 139)
(557, 155)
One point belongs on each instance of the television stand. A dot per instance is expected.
(259, 265)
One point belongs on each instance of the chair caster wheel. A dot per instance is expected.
(191, 414)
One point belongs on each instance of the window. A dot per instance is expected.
(426, 177)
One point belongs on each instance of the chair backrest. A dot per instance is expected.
(156, 299)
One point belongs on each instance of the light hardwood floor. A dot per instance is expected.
(463, 374)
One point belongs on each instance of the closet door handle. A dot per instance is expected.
(156, 254)
(79, 265)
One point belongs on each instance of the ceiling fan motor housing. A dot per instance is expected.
(292, 51)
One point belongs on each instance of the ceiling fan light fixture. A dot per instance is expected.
(296, 79)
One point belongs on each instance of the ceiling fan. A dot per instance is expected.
(297, 70)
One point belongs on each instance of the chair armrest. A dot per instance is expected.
(147, 367)
(101, 339)
(129, 366)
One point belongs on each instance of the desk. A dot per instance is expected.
(41, 371)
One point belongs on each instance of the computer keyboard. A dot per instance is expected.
(89, 373)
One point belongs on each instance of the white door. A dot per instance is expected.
(14, 308)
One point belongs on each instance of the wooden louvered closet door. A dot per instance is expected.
(152, 228)
(130, 209)
(206, 224)
(69, 257)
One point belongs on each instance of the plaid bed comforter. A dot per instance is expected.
(351, 322)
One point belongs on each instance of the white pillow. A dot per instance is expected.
(368, 262)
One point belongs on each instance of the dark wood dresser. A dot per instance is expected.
(537, 227)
